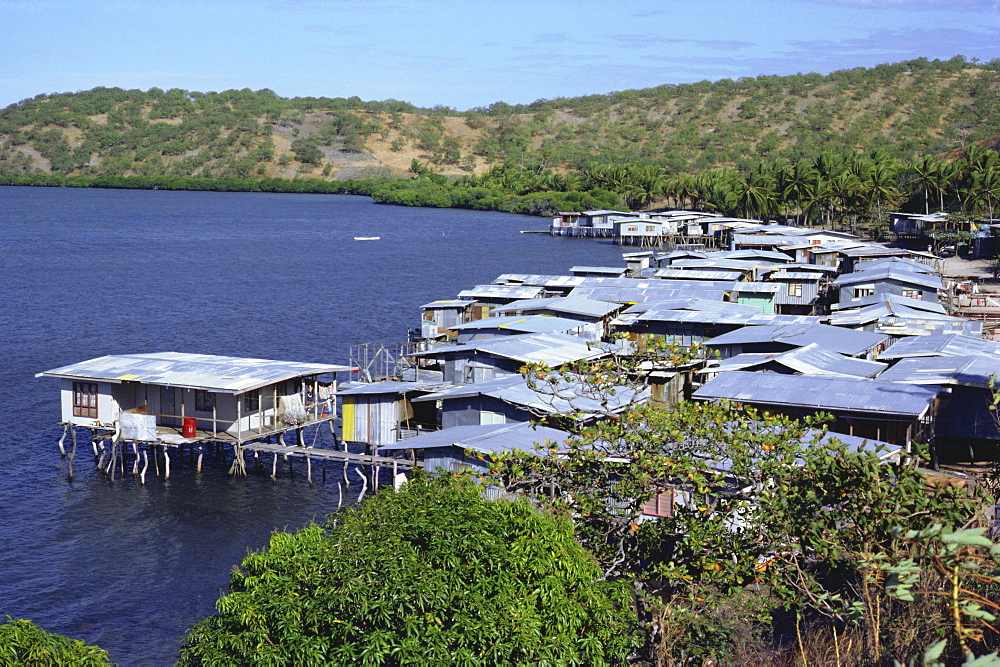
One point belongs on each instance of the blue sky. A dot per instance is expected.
(465, 53)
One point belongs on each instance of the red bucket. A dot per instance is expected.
(190, 427)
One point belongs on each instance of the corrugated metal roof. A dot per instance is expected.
(754, 287)
(891, 300)
(903, 263)
(523, 323)
(609, 270)
(742, 265)
(860, 316)
(889, 273)
(553, 349)
(940, 346)
(811, 268)
(839, 339)
(820, 393)
(372, 388)
(560, 398)
(875, 251)
(696, 274)
(195, 371)
(540, 280)
(449, 303)
(972, 371)
(722, 317)
(900, 326)
(808, 360)
(486, 438)
(795, 275)
(572, 305)
(637, 294)
(501, 291)
(747, 253)
(773, 240)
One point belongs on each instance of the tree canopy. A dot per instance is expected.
(24, 643)
(433, 574)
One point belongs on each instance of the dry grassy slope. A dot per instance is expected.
(395, 145)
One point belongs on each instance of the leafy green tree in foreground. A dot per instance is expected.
(24, 643)
(433, 574)
(774, 530)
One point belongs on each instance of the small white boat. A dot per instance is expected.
(367, 238)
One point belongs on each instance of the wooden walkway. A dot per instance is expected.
(331, 455)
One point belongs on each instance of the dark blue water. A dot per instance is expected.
(93, 272)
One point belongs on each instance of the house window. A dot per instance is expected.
(863, 291)
(913, 294)
(794, 289)
(632, 228)
(650, 228)
(487, 417)
(204, 401)
(85, 399)
(251, 402)
(662, 504)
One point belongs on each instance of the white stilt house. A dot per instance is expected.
(173, 398)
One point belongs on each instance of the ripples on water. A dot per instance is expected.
(94, 272)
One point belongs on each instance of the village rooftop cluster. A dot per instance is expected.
(792, 320)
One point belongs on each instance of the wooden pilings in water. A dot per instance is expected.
(111, 453)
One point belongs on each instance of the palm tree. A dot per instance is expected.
(926, 171)
(879, 185)
(800, 182)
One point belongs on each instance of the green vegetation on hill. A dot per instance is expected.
(716, 144)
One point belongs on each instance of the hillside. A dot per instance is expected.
(906, 110)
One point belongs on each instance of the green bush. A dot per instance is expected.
(434, 574)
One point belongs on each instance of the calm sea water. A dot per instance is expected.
(93, 272)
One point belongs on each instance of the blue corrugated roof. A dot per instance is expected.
(501, 291)
(973, 371)
(196, 371)
(371, 388)
(940, 345)
(808, 360)
(486, 438)
(889, 273)
(697, 274)
(522, 323)
(890, 300)
(911, 265)
(819, 393)
(554, 349)
(839, 339)
(561, 397)
(571, 305)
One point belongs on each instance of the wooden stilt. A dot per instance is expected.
(156, 463)
(72, 454)
(300, 439)
(166, 463)
(135, 464)
(94, 444)
(62, 449)
(145, 464)
(201, 452)
(364, 484)
(274, 467)
(340, 495)
(309, 468)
